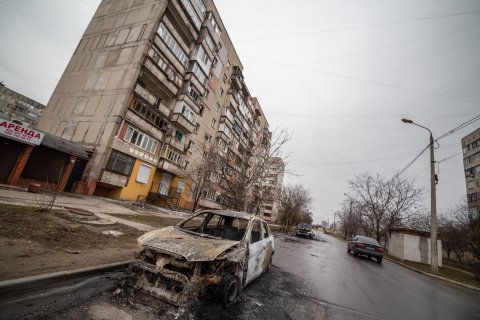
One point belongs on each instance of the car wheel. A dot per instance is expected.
(227, 290)
(348, 250)
(355, 253)
(379, 260)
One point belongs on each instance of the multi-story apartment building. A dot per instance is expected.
(153, 89)
(272, 188)
(19, 108)
(471, 164)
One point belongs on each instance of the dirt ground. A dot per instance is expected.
(33, 242)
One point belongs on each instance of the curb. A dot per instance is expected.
(433, 275)
(32, 282)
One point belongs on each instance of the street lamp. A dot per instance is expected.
(433, 204)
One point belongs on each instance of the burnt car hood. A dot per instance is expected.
(191, 247)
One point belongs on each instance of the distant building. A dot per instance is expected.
(18, 108)
(272, 188)
(471, 164)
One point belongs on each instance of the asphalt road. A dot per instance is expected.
(310, 279)
(385, 290)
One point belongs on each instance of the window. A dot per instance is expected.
(266, 230)
(172, 44)
(256, 233)
(181, 186)
(198, 72)
(179, 136)
(173, 156)
(217, 108)
(140, 139)
(214, 122)
(208, 138)
(215, 24)
(228, 64)
(209, 42)
(143, 173)
(191, 12)
(201, 5)
(221, 92)
(120, 163)
(205, 154)
(225, 78)
(188, 114)
(194, 93)
(190, 146)
(195, 129)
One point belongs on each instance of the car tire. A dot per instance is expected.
(348, 250)
(355, 253)
(227, 290)
(379, 260)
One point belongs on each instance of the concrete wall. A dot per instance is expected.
(412, 248)
(91, 96)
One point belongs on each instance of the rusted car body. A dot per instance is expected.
(218, 251)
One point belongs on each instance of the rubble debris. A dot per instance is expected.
(112, 233)
(73, 251)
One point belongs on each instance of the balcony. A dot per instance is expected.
(180, 120)
(171, 167)
(180, 146)
(237, 78)
(145, 94)
(163, 71)
(113, 179)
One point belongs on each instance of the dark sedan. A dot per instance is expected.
(304, 230)
(361, 245)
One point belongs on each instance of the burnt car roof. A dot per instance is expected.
(229, 213)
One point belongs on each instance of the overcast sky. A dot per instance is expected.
(338, 74)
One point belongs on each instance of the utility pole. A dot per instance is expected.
(433, 203)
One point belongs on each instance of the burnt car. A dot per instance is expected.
(217, 252)
(361, 245)
(304, 230)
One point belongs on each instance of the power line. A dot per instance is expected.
(385, 84)
(461, 126)
(414, 159)
(450, 157)
(357, 27)
(388, 46)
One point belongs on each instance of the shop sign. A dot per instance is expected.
(15, 131)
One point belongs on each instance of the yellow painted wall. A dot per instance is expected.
(134, 188)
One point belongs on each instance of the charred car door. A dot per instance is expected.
(256, 250)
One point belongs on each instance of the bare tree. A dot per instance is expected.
(241, 174)
(383, 202)
(295, 201)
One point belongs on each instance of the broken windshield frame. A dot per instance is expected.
(216, 226)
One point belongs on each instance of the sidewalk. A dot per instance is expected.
(34, 243)
(101, 207)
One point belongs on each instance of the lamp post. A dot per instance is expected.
(433, 203)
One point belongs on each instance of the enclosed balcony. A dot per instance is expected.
(172, 141)
(161, 74)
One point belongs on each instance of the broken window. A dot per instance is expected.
(256, 234)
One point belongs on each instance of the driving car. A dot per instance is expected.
(216, 251)
(362, 245)
(304, 230)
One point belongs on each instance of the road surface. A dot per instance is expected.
(310, 279)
